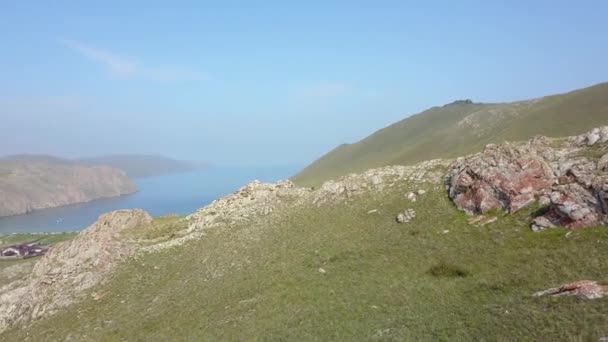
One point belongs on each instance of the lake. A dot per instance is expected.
(180, 194)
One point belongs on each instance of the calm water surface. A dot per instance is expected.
(161, 195)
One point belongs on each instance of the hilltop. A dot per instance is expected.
(460, 128)
(393, 253)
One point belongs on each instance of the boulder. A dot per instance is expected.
(571, 187)
(575, 206)
(593, 136)
(503, 177)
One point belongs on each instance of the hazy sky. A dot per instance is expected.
(272, 82)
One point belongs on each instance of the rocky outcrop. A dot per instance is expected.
(381, 178)
(406, 216)
(32, 185)
(587, 289)
(257, 199)
(501, 177)
(562, 173)
(69, 268)
(253, 199)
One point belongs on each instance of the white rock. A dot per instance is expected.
(411, 196)
(604, 134)
(593, 136)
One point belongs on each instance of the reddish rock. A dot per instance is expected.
(502, 177)
(588, 289)
(572, 187)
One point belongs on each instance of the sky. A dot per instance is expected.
(272, 82)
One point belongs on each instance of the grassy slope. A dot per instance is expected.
(435, 133)
(260, 281)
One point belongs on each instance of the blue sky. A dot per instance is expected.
(272, 82)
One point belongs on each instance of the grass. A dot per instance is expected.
(436, 133)
(594, 152)
(45, 239)
(436, 278)
(162, 228)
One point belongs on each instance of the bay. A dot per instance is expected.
(181, 193)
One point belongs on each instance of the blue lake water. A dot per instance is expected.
(180, 194)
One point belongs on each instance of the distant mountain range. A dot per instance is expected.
(462, 127)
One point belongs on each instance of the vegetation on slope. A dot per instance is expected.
(346, 272)
(461, 128)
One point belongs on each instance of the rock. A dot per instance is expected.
(544, 200)
(593, 136)
(252, 200)
(602, 164)
(411, 196)
(603, 134)
(61, 276)
(573, 188)
(421, 192)
(322, 270)
(502, 177)
(375, 180)
(587, 289)
(573, 206)
(541, 223)
(406, 216)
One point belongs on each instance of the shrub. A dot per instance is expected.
(445, 269)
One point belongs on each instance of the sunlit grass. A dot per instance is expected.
(436, 278)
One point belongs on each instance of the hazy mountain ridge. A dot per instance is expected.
(27, 185)
(141, 165)
(461, 128)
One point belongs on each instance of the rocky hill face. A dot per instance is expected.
(569, 178)
(61, 276)
(27, 185)
(461, 128)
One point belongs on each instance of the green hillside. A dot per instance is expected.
(435, 279)
(460, 128)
